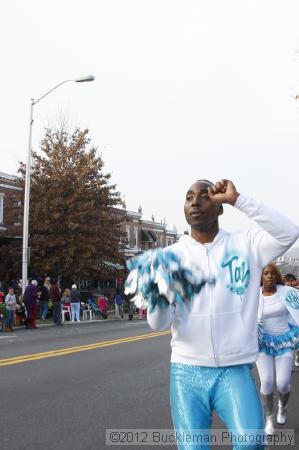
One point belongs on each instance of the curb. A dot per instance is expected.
(69, 323)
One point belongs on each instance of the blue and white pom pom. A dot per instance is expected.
(158, 277)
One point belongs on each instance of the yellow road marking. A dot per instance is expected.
(80, 348)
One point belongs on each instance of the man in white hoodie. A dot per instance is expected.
(215, 343)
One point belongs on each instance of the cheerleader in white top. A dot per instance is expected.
(278, 337)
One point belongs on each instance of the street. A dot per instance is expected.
(62, 387)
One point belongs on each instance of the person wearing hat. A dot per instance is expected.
(75, 303)
(30, 297)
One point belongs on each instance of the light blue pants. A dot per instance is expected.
(43, 310)
(75, 311)
(196, 391)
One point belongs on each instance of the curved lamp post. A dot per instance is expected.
(27, 180)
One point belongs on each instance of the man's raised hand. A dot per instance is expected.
(223, 191)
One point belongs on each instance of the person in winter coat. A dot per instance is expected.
(118, 301)
(103, 306)
(30, 298)
(290, 280)
(55, 296)
(10, 304)
(215, 342)
(44, 298)
(66, 297)
(75, 303)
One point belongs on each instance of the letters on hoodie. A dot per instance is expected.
(239, 273)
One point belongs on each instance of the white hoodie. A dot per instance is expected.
(221, 328)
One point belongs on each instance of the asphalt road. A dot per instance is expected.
(62, 387)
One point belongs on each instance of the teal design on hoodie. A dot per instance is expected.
(238, 271)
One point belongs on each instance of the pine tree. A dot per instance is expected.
(73, 228)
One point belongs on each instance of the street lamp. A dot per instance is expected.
(27, 180)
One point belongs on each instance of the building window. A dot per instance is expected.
(1, 207)
(128, 234)
(136, 237)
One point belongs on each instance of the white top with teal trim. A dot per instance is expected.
(274, 314)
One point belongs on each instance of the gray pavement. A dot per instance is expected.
(67, 402)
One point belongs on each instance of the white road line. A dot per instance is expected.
(8, 337)
(137, 323)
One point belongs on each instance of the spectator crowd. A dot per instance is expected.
(47, 301)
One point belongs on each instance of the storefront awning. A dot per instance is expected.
(153, 235)
(146, 236)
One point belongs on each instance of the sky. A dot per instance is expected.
(183, 90)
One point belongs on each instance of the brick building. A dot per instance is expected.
(10, 228)
(8, 190)
(144, 234)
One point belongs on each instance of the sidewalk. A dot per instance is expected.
(50, 323)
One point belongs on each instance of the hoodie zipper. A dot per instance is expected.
(212, 313)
